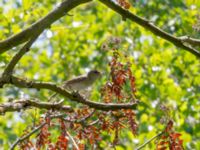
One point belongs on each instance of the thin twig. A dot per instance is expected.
(26, 136)
(147, 142)
(93, 123)
(81, 121)
(86, 117)
(73, 141)
(32, 132)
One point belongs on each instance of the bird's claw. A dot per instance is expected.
(75, 93)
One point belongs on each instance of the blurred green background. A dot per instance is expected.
(164, 73)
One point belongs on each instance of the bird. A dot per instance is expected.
(80, 83)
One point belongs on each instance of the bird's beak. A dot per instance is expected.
(101, 73)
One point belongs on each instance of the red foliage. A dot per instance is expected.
(118, 122)
(105, 123)
(80, 146)
(131, 120)
(169, 126)
(124, 3)
(26, 145)
(43, 137)
(91, 133)
(121, 75)
(62, 140)
(170, 139)
(81, 113)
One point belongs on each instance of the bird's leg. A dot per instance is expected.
(75, 92)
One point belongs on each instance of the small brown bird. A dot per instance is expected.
(82, 82)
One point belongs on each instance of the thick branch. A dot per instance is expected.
(26, 103)
(150, 26)
(9, 69)
(41, 24)
(74, 97)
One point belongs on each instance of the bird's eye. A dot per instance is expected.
(96, 72)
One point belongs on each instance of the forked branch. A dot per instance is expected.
(186, 43)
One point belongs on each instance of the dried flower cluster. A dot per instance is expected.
(124, 3)
(121, 75)
(170, 139)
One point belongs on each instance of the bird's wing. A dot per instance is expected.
(75, 80)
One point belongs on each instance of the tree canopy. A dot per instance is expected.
(147, 51)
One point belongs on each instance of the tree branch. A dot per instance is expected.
(41, 24)
(147, 142)
(27, 136)
(32, 132)
(151, 27)
(9, 69)
(27, 103)
(81, 121)
(73, 141)
(72, 96)
(192, 41)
